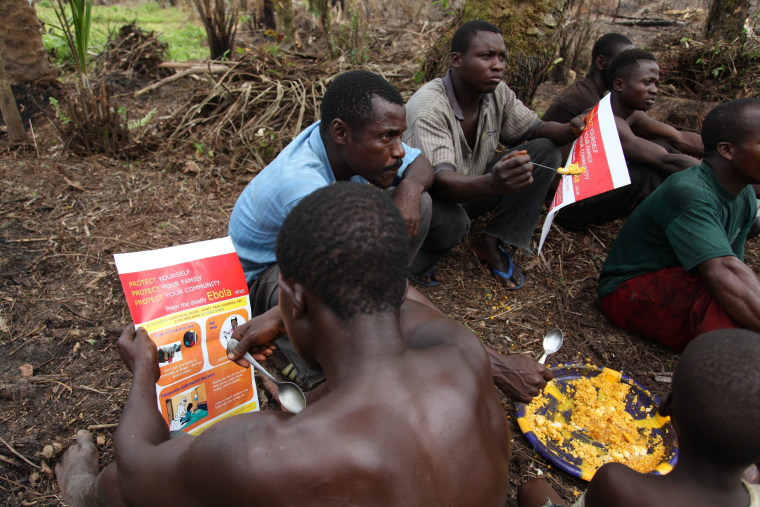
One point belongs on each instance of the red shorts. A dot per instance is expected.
(670, 306)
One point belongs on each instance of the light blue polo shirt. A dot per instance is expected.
(298, 170)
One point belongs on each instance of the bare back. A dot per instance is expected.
(423, 429)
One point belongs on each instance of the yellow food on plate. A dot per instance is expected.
(571, 169)
(591, 423)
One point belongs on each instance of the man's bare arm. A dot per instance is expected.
(146, 474)
(736, 287)
(518, 376)
(509, 175)
(685, 142)
(641, 151)
(420, 172)
(561, 133)
(418, 178)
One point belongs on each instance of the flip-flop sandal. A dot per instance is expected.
(508, 274)
(429, 283)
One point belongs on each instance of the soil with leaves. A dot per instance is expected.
(63, 218)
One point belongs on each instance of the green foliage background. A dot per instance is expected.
(176, 26)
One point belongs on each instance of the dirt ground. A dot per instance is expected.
(62, 306)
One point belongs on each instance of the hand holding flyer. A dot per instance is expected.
(598, 150)
(190, 298)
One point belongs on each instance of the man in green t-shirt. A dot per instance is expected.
(676, 269)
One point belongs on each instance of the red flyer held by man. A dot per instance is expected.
(598, 150)
(190, 298)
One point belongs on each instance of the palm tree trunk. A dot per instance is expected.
(16, 132)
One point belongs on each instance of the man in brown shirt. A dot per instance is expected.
(458, 122)
(585, 93)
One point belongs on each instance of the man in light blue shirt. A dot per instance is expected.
(357, 139)
(302, 167)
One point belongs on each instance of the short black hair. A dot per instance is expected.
(626, 62)
(728, 122)
(347, 244)
(460, 42)
(716, 396)
(607, 45)
(349, 98)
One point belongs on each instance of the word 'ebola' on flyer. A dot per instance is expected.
(598, 149)
(190, 298)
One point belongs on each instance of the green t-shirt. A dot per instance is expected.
(688, 220)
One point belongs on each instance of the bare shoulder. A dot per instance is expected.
(637, 118)
(425, 328)
(616, 485)
(624, 129)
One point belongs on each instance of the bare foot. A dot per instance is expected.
(78, 470)
(428, 279)
(487, 249)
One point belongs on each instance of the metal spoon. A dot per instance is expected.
(290, 395)
(552, 343)
(544, 166)
(555, 169)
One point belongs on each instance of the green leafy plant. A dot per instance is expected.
(58, 113)
(75, 27)
(353, 39)
(445, 6)
(322, 9)
(93, 126)
(177, 26)
(134, 124)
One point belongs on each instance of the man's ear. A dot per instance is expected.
(340, 131)
(726, 150)
(666, 404)
(600, 63)
(295, 293)
(617, 84)
(455, 60)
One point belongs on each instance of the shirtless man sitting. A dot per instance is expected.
(406, 388)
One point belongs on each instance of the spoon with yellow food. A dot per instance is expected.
(571, 169)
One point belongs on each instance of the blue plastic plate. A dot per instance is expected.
(638, 398)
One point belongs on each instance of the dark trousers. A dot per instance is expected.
(515, 215)
(618, 203)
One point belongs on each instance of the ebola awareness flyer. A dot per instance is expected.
(190, 298)
(597, 149)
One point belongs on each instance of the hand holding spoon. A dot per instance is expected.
(552, 343)
(290, 395)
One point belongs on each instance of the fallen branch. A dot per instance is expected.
(18, 454)
(101, 426)
(200, 69)
(650, 22)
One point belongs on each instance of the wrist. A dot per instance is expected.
(408, 185)
(145, 371)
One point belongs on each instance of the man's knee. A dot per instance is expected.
(450, 223)
(264, 290)
(544, 151)
(426, 210)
